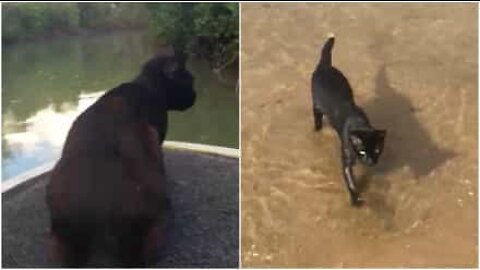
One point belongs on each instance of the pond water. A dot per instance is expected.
(47, 84)
(413, 69)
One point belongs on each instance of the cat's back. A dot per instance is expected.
(99, 125)
(330, 87)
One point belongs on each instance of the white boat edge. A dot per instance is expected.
(174, 145)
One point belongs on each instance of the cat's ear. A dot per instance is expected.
(170, 66)
(181, 59)
(381, 132)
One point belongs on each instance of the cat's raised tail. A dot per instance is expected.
(326, 58)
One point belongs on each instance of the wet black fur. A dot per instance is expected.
(333, 97)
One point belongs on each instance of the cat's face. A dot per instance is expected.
(175, 79)
(368, 145)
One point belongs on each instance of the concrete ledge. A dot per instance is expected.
(23, 178)
(202, 148)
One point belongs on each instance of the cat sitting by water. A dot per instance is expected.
(333, 97)
(110, 181)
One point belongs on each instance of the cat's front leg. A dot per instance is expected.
(348, 160)
(318, 117)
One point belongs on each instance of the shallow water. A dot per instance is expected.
(46, 84)
(414, 71)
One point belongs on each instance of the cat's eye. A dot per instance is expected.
(356, 141)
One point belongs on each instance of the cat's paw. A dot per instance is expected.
(356, 200)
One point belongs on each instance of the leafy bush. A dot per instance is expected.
(25, 21)
(207, 29)
(112, 15)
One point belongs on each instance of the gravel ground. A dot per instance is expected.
(204, 232)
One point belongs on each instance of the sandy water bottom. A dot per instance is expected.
(414, 71)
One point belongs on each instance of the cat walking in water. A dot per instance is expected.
(333, 97)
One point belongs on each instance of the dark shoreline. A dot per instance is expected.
(58, 35)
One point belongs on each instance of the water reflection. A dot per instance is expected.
(43, 135)
(47, 84)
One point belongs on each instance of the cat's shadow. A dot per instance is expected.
(407, 144)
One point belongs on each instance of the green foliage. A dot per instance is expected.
(172, 22)
(207, 29)
(26, 21)
(112, 15)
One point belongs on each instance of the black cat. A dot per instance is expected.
(332, 96)
(110, 179)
